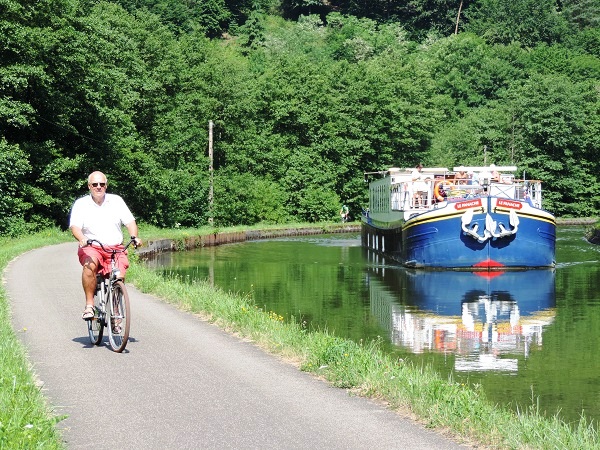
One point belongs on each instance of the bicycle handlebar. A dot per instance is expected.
(131, 241)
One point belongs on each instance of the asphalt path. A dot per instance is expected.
(181, 382)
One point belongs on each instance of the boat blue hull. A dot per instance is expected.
(445, 245)
(437, 239)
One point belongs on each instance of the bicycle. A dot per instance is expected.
(111, 304)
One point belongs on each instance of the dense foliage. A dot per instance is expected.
(305, 95)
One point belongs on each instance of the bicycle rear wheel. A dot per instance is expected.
(96, 324)
(120, 318)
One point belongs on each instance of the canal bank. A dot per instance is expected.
(155, 246)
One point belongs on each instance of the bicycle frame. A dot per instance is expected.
(111, 304)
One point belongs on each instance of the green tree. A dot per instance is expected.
(296, 8)
(482, 136)
(242, 9)
(300, 109)
(13, 168)
(587, 41)
(37, 66)
(529, 22)
(242, 198)
(563, 60)
(559, 121)
(435, 16)
(471, 71)
(211, 16)
(582, 13)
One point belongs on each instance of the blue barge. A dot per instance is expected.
(471, 218)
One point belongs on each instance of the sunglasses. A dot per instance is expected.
(98, 184)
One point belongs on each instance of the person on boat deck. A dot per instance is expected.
(497, 177)
(471, 179)
(495, 174)
(492, 175)
(486, 176)
(461, 177)
(474, 176)
(420, 187)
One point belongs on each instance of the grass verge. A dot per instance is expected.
(25, 419)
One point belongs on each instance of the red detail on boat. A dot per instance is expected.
(489, 263)
(509, 204)
(470, 204)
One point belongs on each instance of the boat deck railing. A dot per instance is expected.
(402, 194)
(396, 190)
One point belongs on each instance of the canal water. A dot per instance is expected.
(529, 338)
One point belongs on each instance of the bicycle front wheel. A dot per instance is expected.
(120, 318)
(96, 324)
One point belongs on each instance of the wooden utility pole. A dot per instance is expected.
(210, 172)
(458, 17)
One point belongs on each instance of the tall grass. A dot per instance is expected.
(25, 419)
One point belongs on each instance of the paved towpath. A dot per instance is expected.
(182, 383)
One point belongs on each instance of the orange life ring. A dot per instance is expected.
(436, 190)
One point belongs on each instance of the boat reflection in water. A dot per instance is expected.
(488, 320)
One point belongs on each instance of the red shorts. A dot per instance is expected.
(104, 258)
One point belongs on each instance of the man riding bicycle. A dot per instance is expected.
(100, 216)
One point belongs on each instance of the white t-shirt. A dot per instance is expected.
(485, 177)
(101, 222)
(418, 184)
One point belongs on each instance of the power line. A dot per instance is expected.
(76, 133)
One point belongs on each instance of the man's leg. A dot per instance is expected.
(88, 279)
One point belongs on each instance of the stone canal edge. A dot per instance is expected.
(153, 247)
